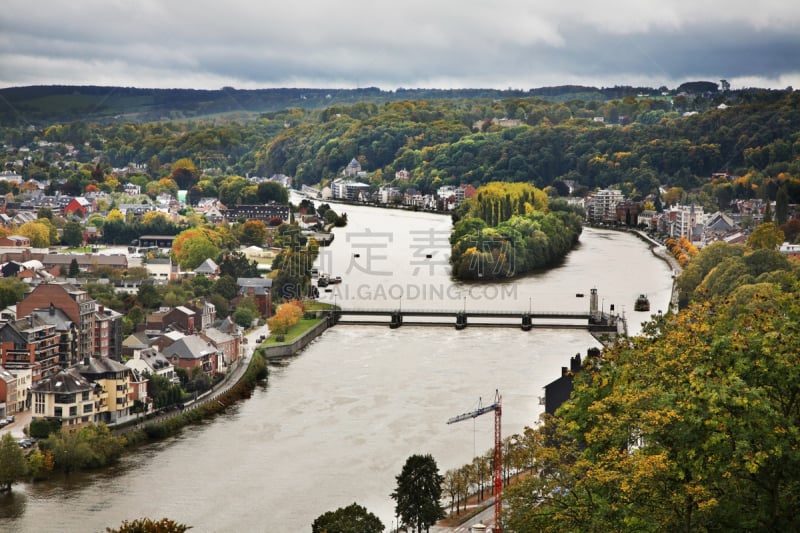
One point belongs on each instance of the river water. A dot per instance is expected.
(335, 423)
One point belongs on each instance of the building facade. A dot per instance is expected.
(31, 344)
(76, 303)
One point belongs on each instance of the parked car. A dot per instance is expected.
(3, 423)
(10, 419)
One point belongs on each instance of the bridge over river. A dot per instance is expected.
(594, 320)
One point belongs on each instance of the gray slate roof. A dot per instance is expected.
(66, 381)
(189, 347)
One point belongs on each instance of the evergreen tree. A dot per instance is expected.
(74, 269)
(419, 489)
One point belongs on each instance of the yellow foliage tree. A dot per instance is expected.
(37, 231)
(115, 215)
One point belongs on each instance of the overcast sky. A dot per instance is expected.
(413, 43)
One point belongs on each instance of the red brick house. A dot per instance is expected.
(191, 352)
(74, 302)
(15, 241)
(225, 343)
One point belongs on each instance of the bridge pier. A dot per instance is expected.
(396, 320)
(527, 323)
(461, 320)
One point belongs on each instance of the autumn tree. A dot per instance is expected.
(690, 427)
(193, 246)
(253, 232)
(37, 231)
(148, 525)
(286, 315)
(184, 173)
(765, 236)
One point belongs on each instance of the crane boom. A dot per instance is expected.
(473, 414)
(498, 451)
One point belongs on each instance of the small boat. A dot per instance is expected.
(323, 280)
(642, 303)
(334, 281)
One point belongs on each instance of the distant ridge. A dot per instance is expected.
(41, 104)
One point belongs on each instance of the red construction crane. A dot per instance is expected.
(498, 451)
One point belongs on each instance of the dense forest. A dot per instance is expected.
(47, 104)
(708, 148)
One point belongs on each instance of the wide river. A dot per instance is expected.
(335, 423)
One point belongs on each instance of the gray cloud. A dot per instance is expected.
(505, 43)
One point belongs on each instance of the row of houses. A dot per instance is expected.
(446, 197)
(63, 355)
(678, 221)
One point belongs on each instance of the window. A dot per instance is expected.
(85, 396)
(73, 410)
(57, 412)
(39, 403)
(65, 398)
(87, 408)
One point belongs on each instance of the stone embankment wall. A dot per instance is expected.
(299, 343)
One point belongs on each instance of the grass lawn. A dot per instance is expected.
(295, 331)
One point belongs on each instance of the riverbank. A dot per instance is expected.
(316, 328)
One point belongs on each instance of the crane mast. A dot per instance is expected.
(498, 451)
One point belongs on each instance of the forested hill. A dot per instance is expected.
(65, 103)
(708, 148)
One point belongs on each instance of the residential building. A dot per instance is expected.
(627, 212)
(15, 241)
(603, 206)
(156, 241)
(266, 213)
(8, 393)
(179, 318)
(227, 344)
(151, 361)
(16, 394)
(107, 333)
(76, 303)
(192, 352)
(113, 389)
(260, 290)
(161, 269)
(87, 262)
(353, 168)
(790, 250)
(79, 206)
(205, 314)
(31, 344)
(349, 190)
(67, 331)
(681, 221)
(134, 343)
(67, 397)
(207, 268)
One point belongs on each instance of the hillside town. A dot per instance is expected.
(65, 356)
